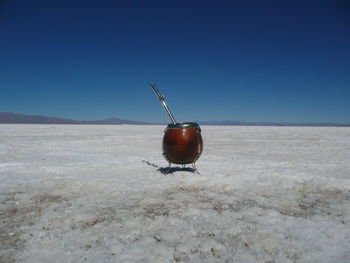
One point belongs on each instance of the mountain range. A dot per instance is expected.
(15, 118)
(10, 117)
(245, 123)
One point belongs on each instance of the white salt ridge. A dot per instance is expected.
(95, 194)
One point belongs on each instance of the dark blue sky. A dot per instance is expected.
(214, 60)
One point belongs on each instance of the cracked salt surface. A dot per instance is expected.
(96, 194)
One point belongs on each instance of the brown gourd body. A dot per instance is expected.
(182, 143)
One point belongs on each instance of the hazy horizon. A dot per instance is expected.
(42, 119)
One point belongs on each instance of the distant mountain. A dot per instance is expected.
(9, 117)
(245, 123)
(117, 121)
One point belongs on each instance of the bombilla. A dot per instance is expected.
(162, 101)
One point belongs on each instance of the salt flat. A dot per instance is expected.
(71, 193)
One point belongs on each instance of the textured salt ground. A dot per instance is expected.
(96, 194)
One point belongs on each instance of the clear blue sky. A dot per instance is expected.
(213, 60)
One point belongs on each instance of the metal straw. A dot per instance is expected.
(162, 101)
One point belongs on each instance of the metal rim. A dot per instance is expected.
(183, 125)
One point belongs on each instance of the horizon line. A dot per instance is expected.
(18, 118)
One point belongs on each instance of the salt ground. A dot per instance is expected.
(97, 194)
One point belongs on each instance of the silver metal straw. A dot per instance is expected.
(162, 101)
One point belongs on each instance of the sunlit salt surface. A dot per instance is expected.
(99, 194)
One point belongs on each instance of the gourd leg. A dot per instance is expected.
(195, 168)
(168, 170)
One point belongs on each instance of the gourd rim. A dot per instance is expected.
(183, 125)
